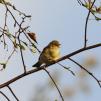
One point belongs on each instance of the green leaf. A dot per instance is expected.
(21, 46)
(9, 34)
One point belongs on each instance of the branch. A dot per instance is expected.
(5, 25)
(67, 69)
(5, 96)
(54, 84)
(22, 56)
(41, 68)
(13, 93)
(79, 1)
(10, 56)
(98, 81)
(86, 24)
(16, 22)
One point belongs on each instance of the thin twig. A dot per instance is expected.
(22, 56)
(67, 69)
(54, 84)
(5, 25)
(10, 56)
(86, 24)
(20, 11)
(91, 74)
(13, 93)
(79, 1)
(5, 96)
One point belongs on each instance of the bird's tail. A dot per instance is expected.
(38, 64)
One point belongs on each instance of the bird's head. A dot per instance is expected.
(55, 43)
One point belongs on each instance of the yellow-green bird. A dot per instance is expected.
(49, 54)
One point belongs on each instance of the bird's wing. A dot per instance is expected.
(45, 55)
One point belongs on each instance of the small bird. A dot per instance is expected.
(49, 54)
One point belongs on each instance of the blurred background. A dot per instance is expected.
(62, 20)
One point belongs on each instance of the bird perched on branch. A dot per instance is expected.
(49, 54)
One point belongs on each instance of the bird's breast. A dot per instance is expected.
(55, 52)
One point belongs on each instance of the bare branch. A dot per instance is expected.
(22, 55)
(13, 93)
(67, 69)
(10, 56)
(79, 1)
(91, 74)
(5, 96)
(5, 25)
(86, 24)
(41, 68)
(54, 84)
